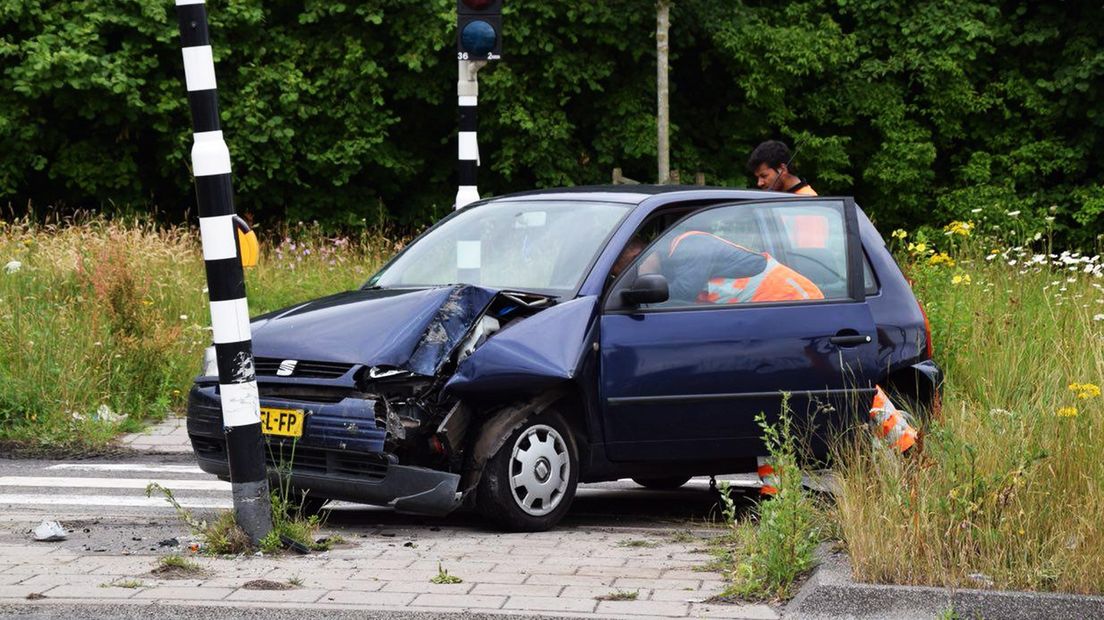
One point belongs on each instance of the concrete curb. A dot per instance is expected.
(831, 593)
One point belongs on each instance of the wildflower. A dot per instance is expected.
(962, 229)
(147, 302)
(1067, 412)
(961, 278)
(183, 317)
(899, 234)
(1098, 317)
(918, 248)
(975, 210)
(1012, 213)
(941, 258)
(1085, 391)
(13, 266)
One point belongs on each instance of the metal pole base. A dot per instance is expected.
(252, 509)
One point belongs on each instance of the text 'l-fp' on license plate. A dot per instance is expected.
(286, 422)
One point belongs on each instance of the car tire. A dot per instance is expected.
(529, 484)
(662, 484)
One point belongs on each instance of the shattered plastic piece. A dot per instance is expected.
(983, 580)
(105, 414)
(890, 423)
(294, 545)
(49, 531)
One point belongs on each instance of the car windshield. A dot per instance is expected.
(541, 246)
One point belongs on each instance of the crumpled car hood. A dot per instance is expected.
(413, 330)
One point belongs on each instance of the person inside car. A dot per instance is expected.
(702, 267)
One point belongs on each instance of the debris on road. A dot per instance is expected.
(49, 531)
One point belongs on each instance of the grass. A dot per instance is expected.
(767, 552)
(125, 583)
(443, 576)
(1009, 485)
(638, 544)
(176, 566)
(103, 323)
(619, 595)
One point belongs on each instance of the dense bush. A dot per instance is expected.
(345, 112)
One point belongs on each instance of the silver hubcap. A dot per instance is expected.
(539, 470)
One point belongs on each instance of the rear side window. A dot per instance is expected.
(748, 254)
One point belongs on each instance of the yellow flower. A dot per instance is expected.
(962, 229)
(147, 302)
(941, 258)
(961, 278)
(1085, 391)
(899, 234)
(1067, 412)
(918, 248)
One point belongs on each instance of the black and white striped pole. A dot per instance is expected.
(467, 93)
(241, 415)
(478, 39)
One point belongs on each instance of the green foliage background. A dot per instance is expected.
(344, 112)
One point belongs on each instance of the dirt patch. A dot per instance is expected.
(174, 567)
(29, 450)
(266, 584)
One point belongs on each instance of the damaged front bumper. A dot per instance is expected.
(340, 456)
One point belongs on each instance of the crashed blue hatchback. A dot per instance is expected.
(534, 341)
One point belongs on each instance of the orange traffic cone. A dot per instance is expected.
(890, 423)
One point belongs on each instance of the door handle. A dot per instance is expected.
(848, 340)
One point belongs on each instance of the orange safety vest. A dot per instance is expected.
(776, 282)
(803, 188)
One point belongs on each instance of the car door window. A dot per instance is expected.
(783, 252)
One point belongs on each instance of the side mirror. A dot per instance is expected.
(649, 288)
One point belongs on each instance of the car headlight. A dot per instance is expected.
(210, 365)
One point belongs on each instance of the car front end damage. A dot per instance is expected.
(393, 388)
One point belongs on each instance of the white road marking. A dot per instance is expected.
(172, 469)
(111, 483)
(17, 499)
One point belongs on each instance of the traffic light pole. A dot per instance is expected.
(241, 414)
(467, 93)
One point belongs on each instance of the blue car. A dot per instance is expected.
(531, 342)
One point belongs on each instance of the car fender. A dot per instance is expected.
(530, 356)
(496, 429)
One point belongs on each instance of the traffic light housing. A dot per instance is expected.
(478, 29)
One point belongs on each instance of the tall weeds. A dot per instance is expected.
(1008, 490)
(101, 320)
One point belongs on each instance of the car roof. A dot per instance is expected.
(637, 194)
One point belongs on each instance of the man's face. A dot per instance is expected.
(767, 177)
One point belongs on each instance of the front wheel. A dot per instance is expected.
(528, 485)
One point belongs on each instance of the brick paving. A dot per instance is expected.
(568, 572)
(170, 436)
(565, 573)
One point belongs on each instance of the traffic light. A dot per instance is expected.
(479, 29)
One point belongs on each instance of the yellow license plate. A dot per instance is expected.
(286, 422)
